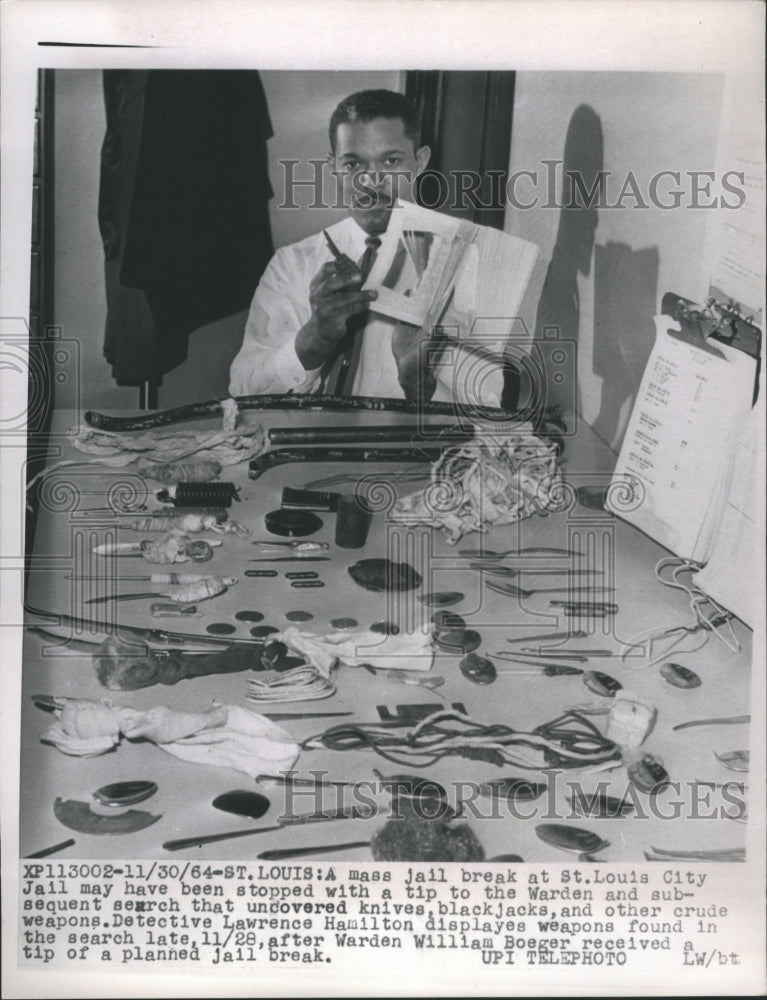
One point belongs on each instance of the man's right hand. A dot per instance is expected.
(334, 299)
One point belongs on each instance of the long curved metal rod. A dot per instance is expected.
(297, 401)
(162, 637)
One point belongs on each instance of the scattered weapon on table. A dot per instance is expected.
(415, 434)
(546, 420)
(172, 549)
(54, 849)
(171, 579)
(586, 609)
(537, 550)
(299, 557)
(190, 593)
(511, 590)
(729, 721)
(199, 494)
(122, 666)
(161, 637)
(80, 816)
(496, 569)
(297, 546)
(550, 637)
(571, 838)
(281, 456)
(727, 854)
(735, 760)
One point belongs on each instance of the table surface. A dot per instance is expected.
(685, 816)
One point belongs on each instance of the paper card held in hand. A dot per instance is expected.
(434, 263)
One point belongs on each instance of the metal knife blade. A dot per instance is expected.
(527, 551)
(121, 597)
(293, 559)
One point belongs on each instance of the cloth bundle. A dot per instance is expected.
(404, 651)
(498, 478)
(223, 735)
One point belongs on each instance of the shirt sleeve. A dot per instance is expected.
(267, 361)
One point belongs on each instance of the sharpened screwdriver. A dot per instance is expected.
(175, 579)
(293, 559)
(296, 545)
(562, 654)
(550, 637)
(284, 716)
(540, 550)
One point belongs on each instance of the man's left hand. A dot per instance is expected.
(413, 353)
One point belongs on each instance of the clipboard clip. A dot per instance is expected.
(716, 321)
(696, 324)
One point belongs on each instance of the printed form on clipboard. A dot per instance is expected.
(690, 430)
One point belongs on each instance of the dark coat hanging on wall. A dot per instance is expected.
(183, 209)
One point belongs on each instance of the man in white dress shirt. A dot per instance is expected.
(306, 309)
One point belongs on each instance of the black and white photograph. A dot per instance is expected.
(383, 506)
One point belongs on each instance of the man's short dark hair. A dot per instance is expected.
(366, 105)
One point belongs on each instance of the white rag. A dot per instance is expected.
(223, 736)
(403, 651)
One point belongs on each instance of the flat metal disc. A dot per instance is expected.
(344, 623)
(249, 616)
(459, 641)
(220, 628)
(385, 628)
(259, 631)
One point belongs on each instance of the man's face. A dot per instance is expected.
(376, 164)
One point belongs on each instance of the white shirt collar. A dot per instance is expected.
(357, 235)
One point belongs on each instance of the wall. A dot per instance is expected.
(300, 105)
(649, 122)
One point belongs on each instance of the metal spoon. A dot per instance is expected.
(478, 669)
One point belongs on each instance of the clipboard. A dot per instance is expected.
(693, 400)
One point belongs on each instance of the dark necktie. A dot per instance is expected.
(342, 367)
